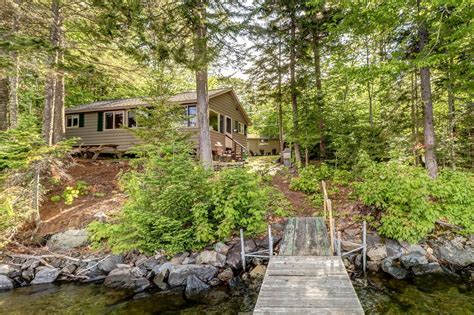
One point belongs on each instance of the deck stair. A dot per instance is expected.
(305, 278)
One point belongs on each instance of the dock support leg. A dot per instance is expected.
(339, 240)
(270, 240)
(364, 249)
(242, 248)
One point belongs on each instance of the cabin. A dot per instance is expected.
(263, 145)
(100, 125)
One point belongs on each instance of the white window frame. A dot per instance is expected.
(72, 122)
(113, 119)
(241, 128)
(218, 121)
(187, 116)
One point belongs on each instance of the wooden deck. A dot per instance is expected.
(305, 279)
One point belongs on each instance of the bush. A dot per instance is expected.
(310, 177)
(411, 202)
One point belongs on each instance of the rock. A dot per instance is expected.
(110, 263)
(427, 268)
(347, 246)
(394, 249)
(90, 270)
(377, 253)
(9, 271)
(178, 274)
(277, 227)
(179, 258)
(413, 259)
(249, 246)
(373, 266)
(258, 272)
(30, 264)
(373, 239)
(161, 275)
(211, 257)
(101, 217)
(28, 274)
(234, 258)
(68, 239)
(69, 269)
(195, 288)
(351, 233)
(221, 248)
(226, 275)
(457, 251)
(189, 261)
(214, 282)
(150, 263)
(392, 269)
(127, 278)
(45, 275)
(5, 283)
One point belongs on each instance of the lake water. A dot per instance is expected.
(379, 295)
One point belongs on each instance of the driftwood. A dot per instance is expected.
(82, 271)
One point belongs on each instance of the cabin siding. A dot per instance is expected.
(255, 146)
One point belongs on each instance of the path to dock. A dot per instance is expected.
(305, 278)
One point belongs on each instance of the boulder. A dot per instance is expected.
(161, 273)
(179, 258)
(69, 269)
(427, 268)
(457, 251)
(90, 270)
(234, 258)
(396, 271)
(377, 253)
(30, 264)
(179, 274)
(28, 274)
(110, 263)
(221, 248)
(5, 283)
(258, 272)
(68, 239)
(189, 261)
(149, 264)
(101, 217)
(373, 239)
(413, 259)
(195, 288)
(394, 249)
(373, 266)
(415, 249)
(131, 278)
(45, 275)
(347, 246)
(226, 275)
(9, 271)
(211, 257)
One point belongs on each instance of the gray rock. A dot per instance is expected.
(179, 258)
(347, 246)
(195, 288)
(179, 274)
(69, 269)
(90, 270)
(161, 275)
(249, 245)
(30, 264)
(45, 275)
(189, 261)
(226, 275)
(427, 268)
(413, 259)
(68, 239)
(415, 249)
(373, 266)
(101, 217)
(131, 278)
(9, 271)
(258, 272)
(373, 239)
(394, 270)
(394, 249)
(377, 253)
(5, 283)
(110, 263)
(458, 251)
(221, 248)
(211, 257)
(234, 258)
(150, 263)
(28, 274)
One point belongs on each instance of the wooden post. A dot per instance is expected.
(270, 241)
(242, 248)
(325, 197)
(331, 227)
(364, 243)
(339, 240)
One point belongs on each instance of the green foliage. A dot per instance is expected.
(72, 192)
(411, 202)
(309, 178)
(56, 198)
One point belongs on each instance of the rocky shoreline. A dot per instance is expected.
(221, 263)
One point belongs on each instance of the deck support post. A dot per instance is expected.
(270, 240)
(242, 248)
(364, 244)
(339, 240)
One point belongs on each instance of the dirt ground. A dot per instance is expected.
(104, 195)
(298, 199)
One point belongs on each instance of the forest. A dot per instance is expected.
(374, 92)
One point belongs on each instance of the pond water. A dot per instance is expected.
(379, 295)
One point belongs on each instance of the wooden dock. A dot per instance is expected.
(305, 278)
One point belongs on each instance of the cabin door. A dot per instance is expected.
(228, 133)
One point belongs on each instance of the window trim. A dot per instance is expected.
(231, 127)
(186, 122)
(218, 122)
(72, 122)
(113, 119)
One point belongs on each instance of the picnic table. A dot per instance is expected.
(96, 149)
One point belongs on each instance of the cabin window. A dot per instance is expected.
(190, 116)
(132, 122)
(113, 120)
(72, 121)
(228, 125)
(236, 126)
(245, 129)
(221, 123)
(213, 121)
(241, 128)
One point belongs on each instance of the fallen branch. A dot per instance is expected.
(82, 271)
(449, 225)
(40, 258)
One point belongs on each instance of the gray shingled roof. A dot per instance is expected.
(185, 97)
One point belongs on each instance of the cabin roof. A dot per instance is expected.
(181, 98)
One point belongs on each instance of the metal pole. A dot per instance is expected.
(364, 243)
(339, 243)
(270, 240)
(331, 230)
(242, 248)
(333, 224)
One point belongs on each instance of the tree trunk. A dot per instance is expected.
(414, 117)
(50, 88)
(429, 136)
(294, 100)
(319, 91)
(451, 115)
(200, 58)
(59, 126)
(280, 105)
(4, 103)
(13, 110)
(369, 89)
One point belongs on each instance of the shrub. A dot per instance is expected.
(309, 178)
